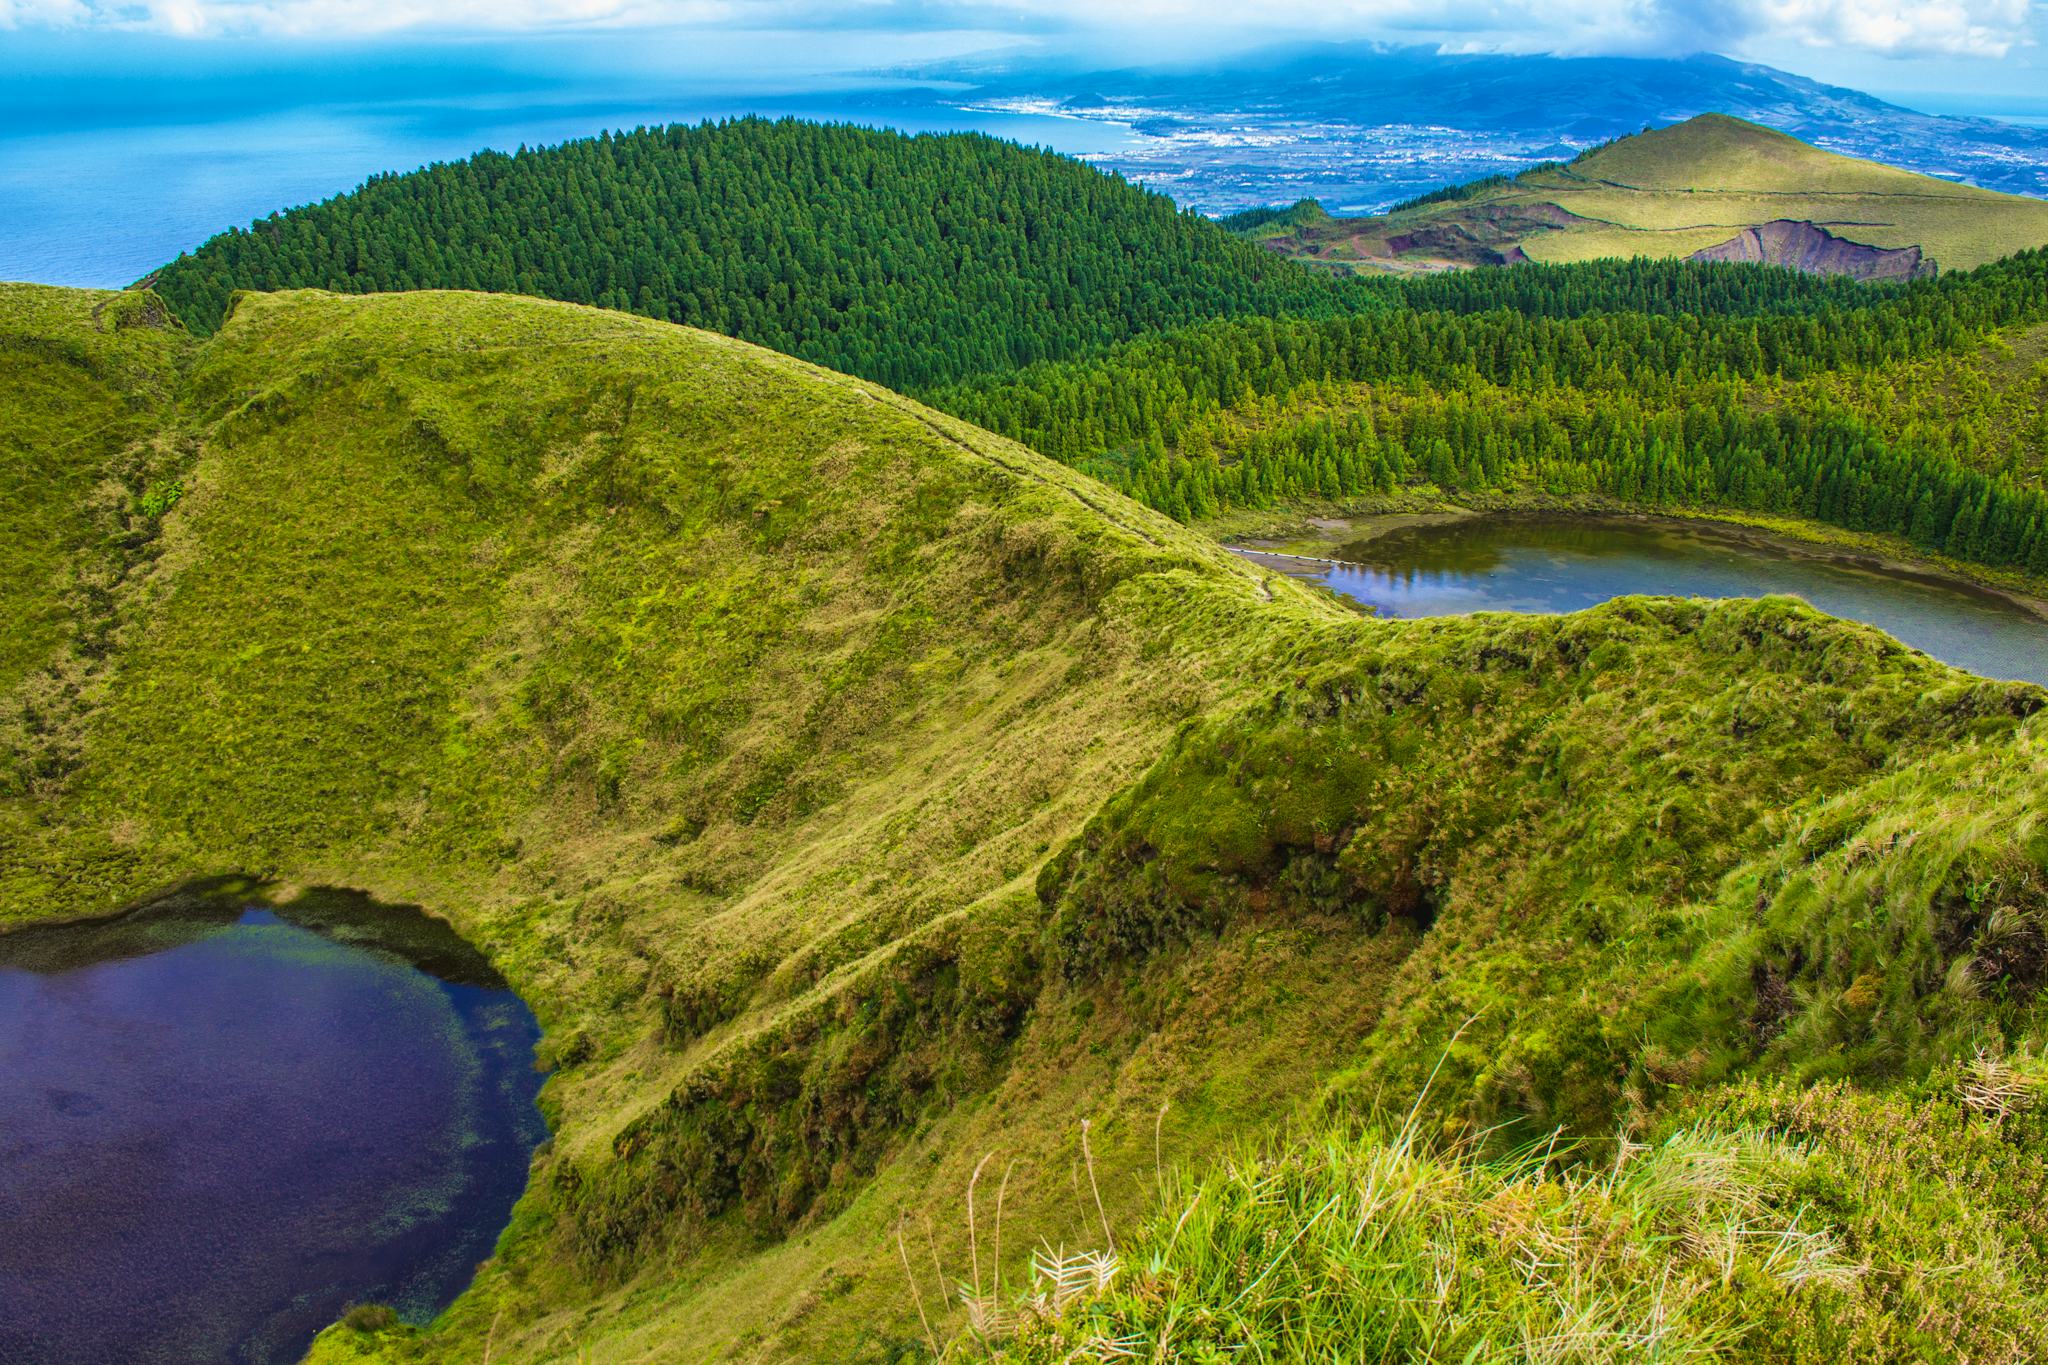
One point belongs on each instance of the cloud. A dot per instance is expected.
(1969, 28)
(1896, 28)
(353, 18)
(44, 13)
(1975, 28)
(1955, 28)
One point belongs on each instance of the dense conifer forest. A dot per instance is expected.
(1535, 381)
(1180, 363)
(906, 260)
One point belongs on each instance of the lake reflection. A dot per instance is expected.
(1545, 564)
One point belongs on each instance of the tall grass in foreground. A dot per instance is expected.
(1375, 1245)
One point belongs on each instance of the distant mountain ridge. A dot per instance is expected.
(1485, 112)
(1712, 188)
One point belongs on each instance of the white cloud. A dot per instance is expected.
(1965, 28)
(1988, 28)
(43, 13)
(304, 18)
(1955, 28)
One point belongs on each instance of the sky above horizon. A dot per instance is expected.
(1983, 48)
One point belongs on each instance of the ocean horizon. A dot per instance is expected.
(106, 176)
(111, 167)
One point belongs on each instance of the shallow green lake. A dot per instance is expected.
(1555, 564)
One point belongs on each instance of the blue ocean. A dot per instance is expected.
(119, 151)
(108, 170)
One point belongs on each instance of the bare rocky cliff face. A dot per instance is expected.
(1809, 247)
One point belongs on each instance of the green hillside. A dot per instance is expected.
(907, 260)
(857, 795)
(1686, 189)
(86, 378)
(1987, 404)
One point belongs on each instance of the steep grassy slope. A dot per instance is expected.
(909, 260)
(85, 380)
(855, 794)
(86, 467)
(714, 695)
(1686, 189)
(1626, 943)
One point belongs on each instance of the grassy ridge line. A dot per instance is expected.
(1556, 818)
(452, 507)
(1672, 191)
(1483, 811)
(1786, 905)
(1649, 801)
(851, 797)
(704, 689)
(85, 382)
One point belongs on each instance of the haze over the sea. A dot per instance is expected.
(131, 132)
(105, 179)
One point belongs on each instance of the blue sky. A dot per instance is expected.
(1985, 47)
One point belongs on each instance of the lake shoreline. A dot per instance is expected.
(1328, 536)
(391, 1076)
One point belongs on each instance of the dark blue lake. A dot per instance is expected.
(222, 1124)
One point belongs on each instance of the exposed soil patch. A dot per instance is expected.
(1487, 233)
(1815, 250)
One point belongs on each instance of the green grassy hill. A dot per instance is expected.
(908, 260)
(858, 796)
(86, 379)
(1686, 189)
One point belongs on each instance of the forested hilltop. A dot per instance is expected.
(907, 260)
(1089, 319)
(864, 792)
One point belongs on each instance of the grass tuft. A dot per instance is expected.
(1375, 1244)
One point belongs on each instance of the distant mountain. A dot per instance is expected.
(1712, 188)
(1372, 124)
